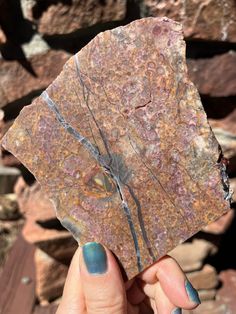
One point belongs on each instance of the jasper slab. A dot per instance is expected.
(121, 144)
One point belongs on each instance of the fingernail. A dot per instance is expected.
(177, 311)
(192, 293)
(95, 258)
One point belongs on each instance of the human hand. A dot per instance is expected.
(94, 285)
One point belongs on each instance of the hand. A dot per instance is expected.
(94, 285)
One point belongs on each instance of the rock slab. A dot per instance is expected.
(121, 144)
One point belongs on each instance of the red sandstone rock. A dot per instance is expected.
(2, 127)
(225, 132)
(35, 233)
(33, 202)
(215, 76)
(121, 144)
(210, 307)
(206, 19)
(207, 295)
(8, 207)
(8, 160)
(227, 293)
(63, 18)
(8, 178)
(41, 227)
(228, 123)
(50, 276)
(191, 255)
(204, 279)
(59, 245)
(46, 67)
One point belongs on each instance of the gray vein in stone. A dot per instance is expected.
(102, 161)
(69, 128)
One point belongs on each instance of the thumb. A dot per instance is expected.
(102, 283)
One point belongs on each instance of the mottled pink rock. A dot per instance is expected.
(221, 225)
(121, 144)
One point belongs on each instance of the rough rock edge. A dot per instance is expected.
(221, 163)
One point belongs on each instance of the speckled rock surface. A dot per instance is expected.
(121, 144)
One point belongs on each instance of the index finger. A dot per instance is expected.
(173, 282)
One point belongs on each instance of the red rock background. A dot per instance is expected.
(36, 38)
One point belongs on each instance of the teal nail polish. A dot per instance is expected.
(192, 293)
(177, 311)
(95, 258)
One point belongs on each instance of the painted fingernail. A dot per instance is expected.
(177, 311)
(95, 258)
(192, 293)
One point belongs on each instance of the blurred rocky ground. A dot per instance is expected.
(36, 38)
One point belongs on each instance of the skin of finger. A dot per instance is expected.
(149, 289)
(104, 293)
(73, 299)
(172, 280)
(147, 305)
(154, 307)
(163, 304)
